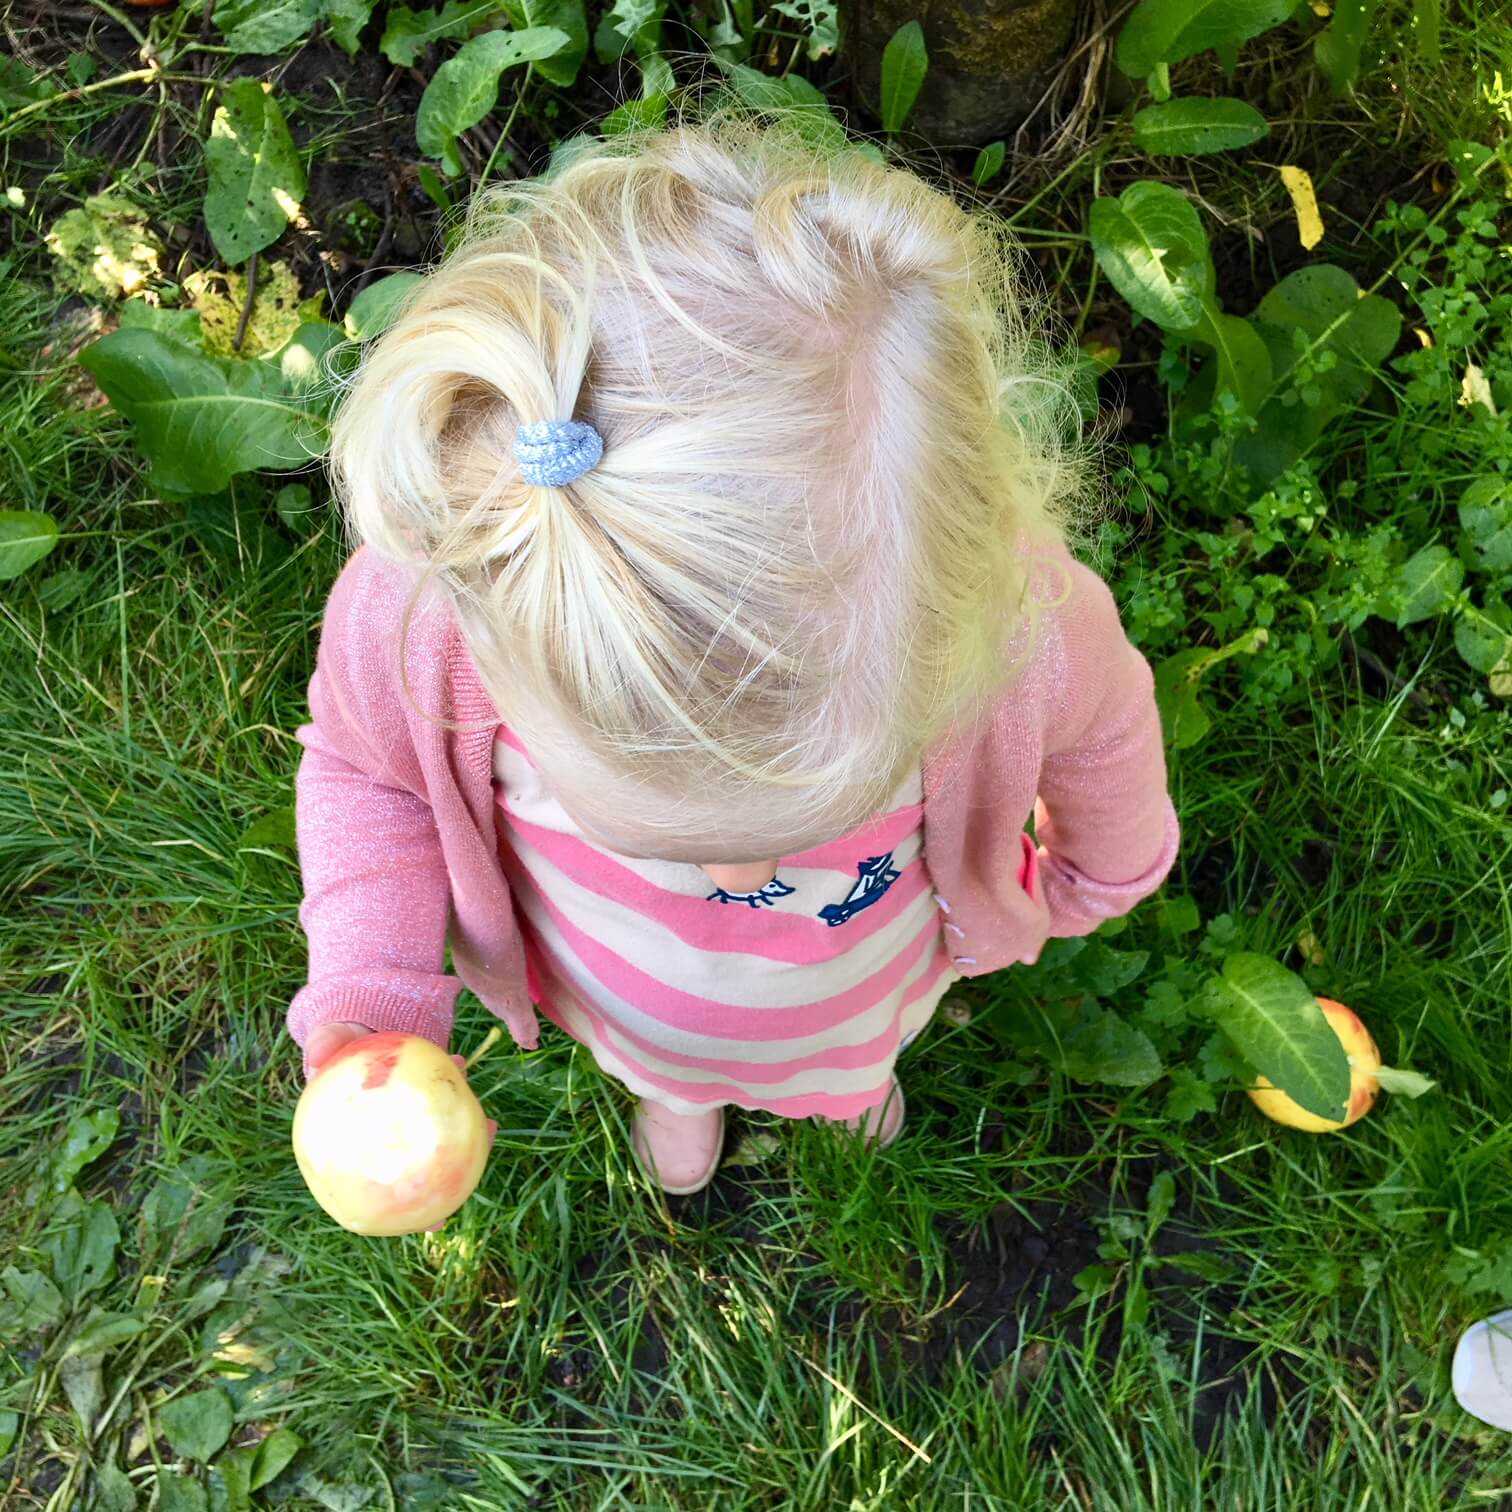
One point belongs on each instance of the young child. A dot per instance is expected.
(711, 640)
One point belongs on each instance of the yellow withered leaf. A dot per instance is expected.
(1299, 185)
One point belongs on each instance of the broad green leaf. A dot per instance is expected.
(657, 77)
(31, 1301)
(1091, 1043)
(256, 180)
(197, 1425)
(1426, 583)
(1485, 512)
(407, 33)
(989, 163)
(25, 538)
(1196, 126)
(203, 1299)
(1483, 637)
(1338, 47)
(266, 27)
(104, 248)
(1151, 245)
(820, 19)
(20, 86)
(311, 360)
(905, 62)
(83, 1381)
(186, 1209)
(1094, 1281)
(231, 1481)
(1327, 303)
(346, 19)
(296, 508)
(182, 325)
(463, 90)
(1183, 714)
(178, 1493)
(1276, 1022)
(1244, 364)
(1102, 970)
(200, 420)
(635, 115)
(1404, 1083)
(80, 1245)
(88, 1137)
(629, 26)
(374, 310)
(113, 1491)
(103, 1331)
(267, 848)
(1167, 31)
(273, 1456)
(567, 16)
(1469, 160)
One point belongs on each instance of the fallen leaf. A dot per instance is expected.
(1299, 185)
(1475, 390)
(1425, 340)
(753, 1149)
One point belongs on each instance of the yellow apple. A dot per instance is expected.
(389, 1137)
(1364, 1062)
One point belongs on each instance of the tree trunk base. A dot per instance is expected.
(989, 60)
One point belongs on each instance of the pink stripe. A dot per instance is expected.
(874, 838)
(795, 939)
(826, 1104)
(879, 1050)
(729, 1021)
(505, 736)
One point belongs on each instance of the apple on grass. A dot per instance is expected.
(1367, 1077)
(389, 1137)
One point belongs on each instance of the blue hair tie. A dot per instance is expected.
(553, 453)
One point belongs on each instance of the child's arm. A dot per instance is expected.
(377, 896)
(1104, 820)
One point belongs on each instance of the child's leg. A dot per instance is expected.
(879, 1125)
(680, 1151)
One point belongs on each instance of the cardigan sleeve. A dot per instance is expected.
(377, 896)
(1104, 821)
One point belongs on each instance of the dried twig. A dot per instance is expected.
(246, 314)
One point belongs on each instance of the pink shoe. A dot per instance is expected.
(679, 1151)
(880, 1125)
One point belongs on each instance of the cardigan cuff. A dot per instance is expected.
(1079, 903)
(392, 1001)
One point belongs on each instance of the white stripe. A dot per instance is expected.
(860, 1026)
(834, 1082)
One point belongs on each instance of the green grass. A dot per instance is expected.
(826, 1328)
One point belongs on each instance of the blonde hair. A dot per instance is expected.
(828, 437)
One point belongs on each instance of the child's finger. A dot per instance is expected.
(493, 1129)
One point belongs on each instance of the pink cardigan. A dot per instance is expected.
(396, 813)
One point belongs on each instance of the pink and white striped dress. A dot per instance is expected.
(795, 999)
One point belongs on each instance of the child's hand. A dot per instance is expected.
(327, 1039)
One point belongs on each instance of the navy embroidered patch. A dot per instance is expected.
(765, 897)
(877, 874)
